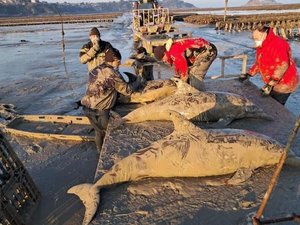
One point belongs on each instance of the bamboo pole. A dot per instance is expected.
(276, 174)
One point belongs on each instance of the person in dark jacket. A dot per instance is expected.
(93, 53)
(143, 65)
(276, 65)
(104, 85)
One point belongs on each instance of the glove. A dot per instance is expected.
(244, 77)
(188, 53)
(96, 46)
(266, 90)
(140, 56)
(77, 104)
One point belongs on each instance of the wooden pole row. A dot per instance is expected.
(285, 29)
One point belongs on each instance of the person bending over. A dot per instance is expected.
(191, 58)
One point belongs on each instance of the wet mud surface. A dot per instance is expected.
(36, 80)
(192, 201)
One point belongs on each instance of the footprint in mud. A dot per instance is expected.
(33, 148)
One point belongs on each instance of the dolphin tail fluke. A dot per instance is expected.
(89, 195)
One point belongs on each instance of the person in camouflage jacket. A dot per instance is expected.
(93, 53)
(104, 85)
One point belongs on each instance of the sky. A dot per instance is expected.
(197, 3)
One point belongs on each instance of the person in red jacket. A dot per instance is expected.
(191, 57)
(275, 64)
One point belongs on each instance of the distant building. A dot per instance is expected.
(35, 1)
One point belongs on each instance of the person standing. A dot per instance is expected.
(191, 58)
(143, 65)
(276, 65)
(104, 84)
(93, 53)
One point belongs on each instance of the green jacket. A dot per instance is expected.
(88, 54)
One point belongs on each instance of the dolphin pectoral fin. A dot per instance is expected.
(89, 195)
(222, 122)
(240, 176)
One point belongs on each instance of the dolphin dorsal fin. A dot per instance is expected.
(183, 125)
(183, 87)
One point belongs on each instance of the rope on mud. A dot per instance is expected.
(256, 218)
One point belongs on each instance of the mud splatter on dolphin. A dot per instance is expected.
(187, 152)
(152, 91)
(196, 105)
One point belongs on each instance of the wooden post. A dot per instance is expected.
(223, 67)
(244, 65)
(225, 10)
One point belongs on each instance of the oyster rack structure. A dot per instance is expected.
(18, 193)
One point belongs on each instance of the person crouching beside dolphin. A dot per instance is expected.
(105, 82)
(191, 57)
(142, 65)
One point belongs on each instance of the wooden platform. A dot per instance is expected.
(190, 201)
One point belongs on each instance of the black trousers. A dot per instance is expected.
(279, 97)
(99, 121)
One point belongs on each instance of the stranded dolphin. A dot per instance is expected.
(196, 105)
(188, 152)
(152, 91)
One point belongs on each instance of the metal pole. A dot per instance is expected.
(276, 174)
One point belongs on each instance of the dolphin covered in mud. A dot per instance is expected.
(187, 152)
(152, 91)
(196, 105)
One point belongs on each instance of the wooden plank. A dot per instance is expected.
(14, 127)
